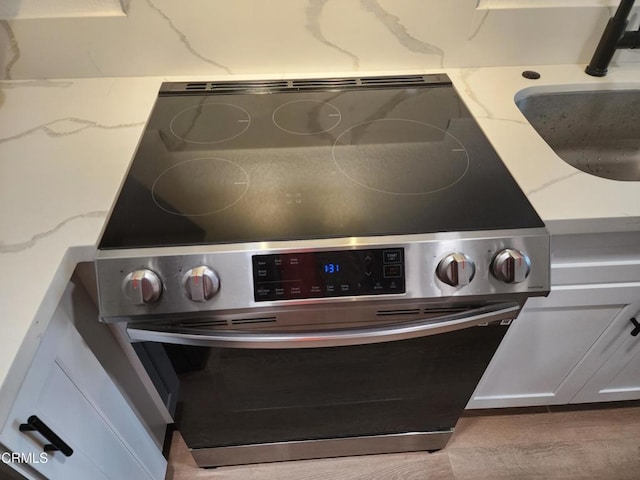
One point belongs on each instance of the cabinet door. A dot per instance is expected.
(618, 352)
(67, 389)
(535, 363)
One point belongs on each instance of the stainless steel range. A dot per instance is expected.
(328, 265)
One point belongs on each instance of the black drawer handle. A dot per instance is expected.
(57, 444)
(636, 327)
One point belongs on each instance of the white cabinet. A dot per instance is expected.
(574, 346)
(538, 361)
(617, 354)
(67, 389)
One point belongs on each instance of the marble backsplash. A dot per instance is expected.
(222, 38)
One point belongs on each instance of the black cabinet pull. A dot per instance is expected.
(57, 444)
(636, 327)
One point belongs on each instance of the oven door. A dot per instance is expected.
(251, 397)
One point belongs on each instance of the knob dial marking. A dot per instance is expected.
(511, 266)
(456, 269)
(201, 284)
(142, 287)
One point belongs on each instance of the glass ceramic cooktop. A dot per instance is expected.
(337, 161)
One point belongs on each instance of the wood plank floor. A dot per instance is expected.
(577, 443)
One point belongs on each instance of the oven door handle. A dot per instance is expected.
(330, 338)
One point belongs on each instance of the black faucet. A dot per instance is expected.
(613, 37)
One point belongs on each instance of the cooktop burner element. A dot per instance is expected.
(215, 184)
(398, 156)
(306, 117)
(358, 158)
(210, 123)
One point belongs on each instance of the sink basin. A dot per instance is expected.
(597, 132)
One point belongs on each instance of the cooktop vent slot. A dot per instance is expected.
(245, 321)
(236, 87)
(195, 86)
(246, 86)
(403, 80)
(324, 83)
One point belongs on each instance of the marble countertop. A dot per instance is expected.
(561, 194)
(65, 146)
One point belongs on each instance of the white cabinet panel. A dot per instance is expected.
(67, 389)
(537, 362)
(71, 414)
(618, 378)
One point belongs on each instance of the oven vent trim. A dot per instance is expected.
(445, 310)
(251, 321)
(311, 84)
(204, 323)
(430, 311)
(396, 312)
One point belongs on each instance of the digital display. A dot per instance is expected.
(331, 267)
(328, 274)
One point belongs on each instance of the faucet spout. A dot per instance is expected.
(613, 37)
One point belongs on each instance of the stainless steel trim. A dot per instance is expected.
(341, 337)
(325, 448)
(232, 263)
(271, 86)
(319, 243)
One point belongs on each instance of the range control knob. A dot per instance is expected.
(142, 287)
(511, 266)
(456, 269)
(201, 284)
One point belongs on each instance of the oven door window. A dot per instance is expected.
(243, 396)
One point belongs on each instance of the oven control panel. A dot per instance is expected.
(340, 273)
(278, 278)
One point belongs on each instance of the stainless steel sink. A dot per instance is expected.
(597, 132)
